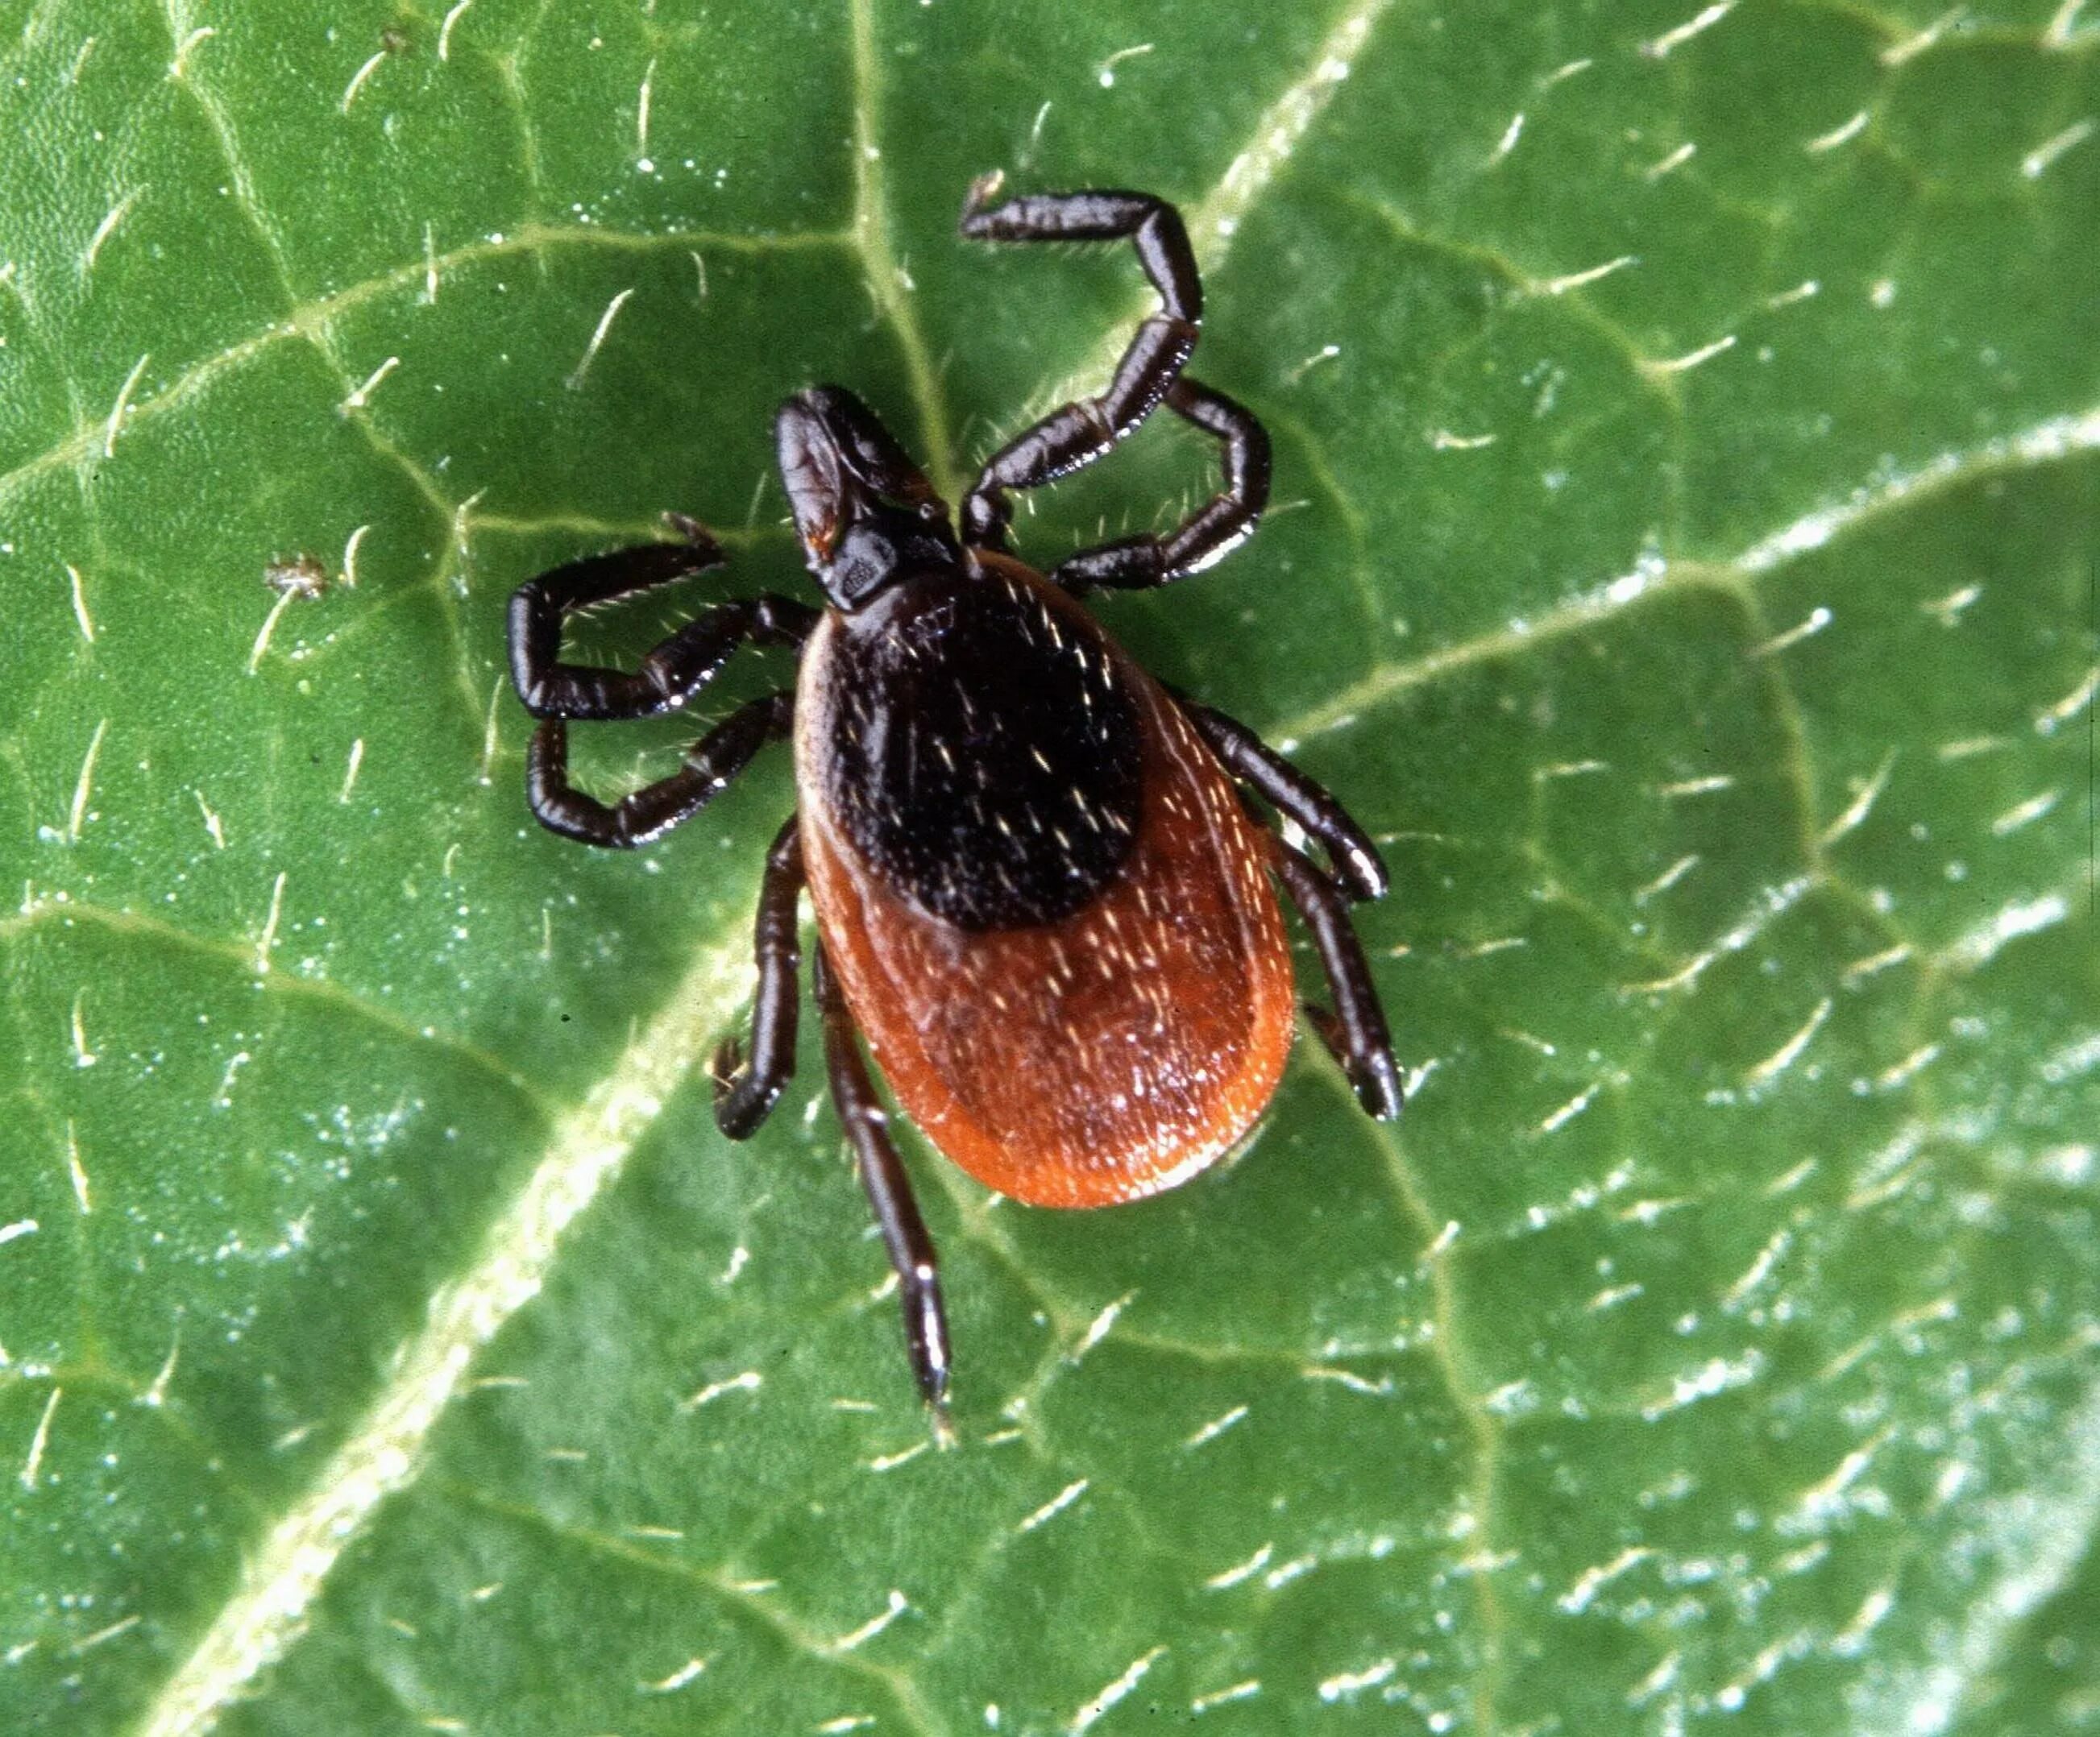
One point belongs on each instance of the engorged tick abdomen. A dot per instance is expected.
(1049, 913)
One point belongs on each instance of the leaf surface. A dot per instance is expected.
(1683, 558)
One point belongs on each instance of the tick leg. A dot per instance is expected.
(672, 673)
(888, 1191)
(1355, 1031)
(1209, 534)
(654, 808)
(1356, 863)
(745, 1093)
(1078, 433)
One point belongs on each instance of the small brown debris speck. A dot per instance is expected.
(300, 576)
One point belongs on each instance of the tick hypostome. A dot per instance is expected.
(1043, 895)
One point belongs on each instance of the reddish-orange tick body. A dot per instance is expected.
(1115, 1048)
(1043, 895)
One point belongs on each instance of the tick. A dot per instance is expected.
(1044, 899)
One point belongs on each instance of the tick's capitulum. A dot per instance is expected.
(1043, 895)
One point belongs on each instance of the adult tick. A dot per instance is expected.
(1043, 895)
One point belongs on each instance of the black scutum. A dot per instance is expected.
(984, 753)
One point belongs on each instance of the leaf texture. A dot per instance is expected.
(1683, 559)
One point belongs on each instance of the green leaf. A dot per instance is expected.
(1683, 556)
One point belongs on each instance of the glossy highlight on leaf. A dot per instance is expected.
(1683, 558)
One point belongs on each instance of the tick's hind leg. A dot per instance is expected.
(1311, 805)
(672, 672)
(654, 809)
(904, 1233)
(745, 1093)
(1078, 433)
(1355, 1031)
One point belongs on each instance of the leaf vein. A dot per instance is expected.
(383, 1453)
